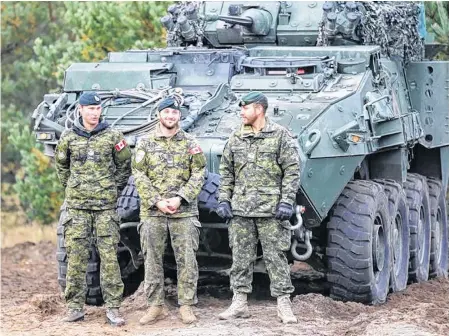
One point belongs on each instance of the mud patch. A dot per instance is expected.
(31, 305)
(47, 304)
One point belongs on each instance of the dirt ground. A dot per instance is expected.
(31, 305)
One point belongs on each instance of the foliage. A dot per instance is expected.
(39, 40)
(437, 14)
(37, 185)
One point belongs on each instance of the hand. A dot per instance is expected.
(174, 203)
(224, 210)
(284, 211)
(165, 207)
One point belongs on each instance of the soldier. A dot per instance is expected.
(259, 180)
(93, 163)
(169, 168)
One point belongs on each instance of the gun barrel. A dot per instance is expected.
(243, 21)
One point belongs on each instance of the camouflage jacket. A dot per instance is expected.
(168, 167)
(93, 167)
(258, 171)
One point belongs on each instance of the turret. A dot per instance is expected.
(222, 24)
(255, 21)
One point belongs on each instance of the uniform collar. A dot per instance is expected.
(79, 128)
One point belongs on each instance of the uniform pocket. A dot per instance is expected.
(285, 237)
(268, 198)
(107, 224)
(195, 226)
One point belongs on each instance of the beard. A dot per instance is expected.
(169, 126)
(249, 121)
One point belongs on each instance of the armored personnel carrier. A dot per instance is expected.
(353, 81)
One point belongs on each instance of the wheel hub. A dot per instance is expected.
(397, 241)
(438, 237)
(421, 235)
(378, 248)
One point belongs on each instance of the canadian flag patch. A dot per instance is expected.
(195, 150)
(122, 144)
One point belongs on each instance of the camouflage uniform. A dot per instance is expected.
(93, 167)
(164, 168)
(258, 171)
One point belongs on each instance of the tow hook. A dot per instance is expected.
(301, 236)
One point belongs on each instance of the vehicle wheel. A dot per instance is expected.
(208, 198)
(420, 227)
(358, 251)
(93, 296)
(128, 204)
(400, 233)
(439, 239)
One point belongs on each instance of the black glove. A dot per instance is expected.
(224, 210)
(284, 211)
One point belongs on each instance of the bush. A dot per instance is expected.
(37, 184)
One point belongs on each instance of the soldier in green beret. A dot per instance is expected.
(93, 163)
(260, 172)
(169, 169)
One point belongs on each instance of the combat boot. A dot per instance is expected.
(153, 314)
(187, 315)
(285, 312)
(238, 308)
(114, 318)
(74, 315)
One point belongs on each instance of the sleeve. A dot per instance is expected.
(227, 174)
(290, 165)
(147, 193)
(62, 159)
(122, 161)
(190, 190)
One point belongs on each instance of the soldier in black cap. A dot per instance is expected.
(168, 169)
(93, 163)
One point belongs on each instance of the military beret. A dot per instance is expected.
(90, 98)
(168, 102)
(254, 97)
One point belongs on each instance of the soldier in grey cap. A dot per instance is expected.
(259, 180)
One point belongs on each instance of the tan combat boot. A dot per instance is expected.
(74, 315)
(153, 314)
(238, 308)
(285, 312)
(187, 315)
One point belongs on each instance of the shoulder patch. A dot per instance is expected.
(195, 150)
(140, 154)
(61, 155)
(120, 145)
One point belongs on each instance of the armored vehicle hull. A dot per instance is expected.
(371, 119)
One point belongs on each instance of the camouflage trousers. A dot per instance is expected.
(81, 228)
(244, 234)
(184, 235)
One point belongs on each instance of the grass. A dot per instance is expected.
(16, 228)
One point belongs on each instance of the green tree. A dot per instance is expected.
(437, 15)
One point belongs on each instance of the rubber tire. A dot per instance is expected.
(208, 197)
(349, 248)
(438, 214)
(418, 197)
(398, 209)
(128, 204)
(94, 296)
